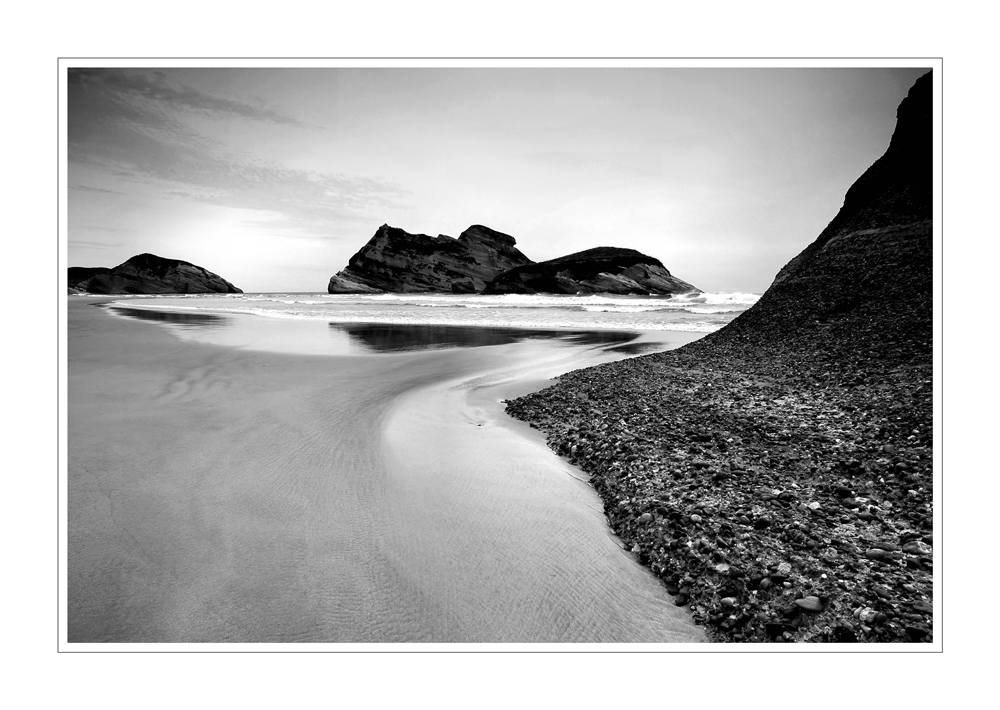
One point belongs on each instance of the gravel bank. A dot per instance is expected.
(781, 499)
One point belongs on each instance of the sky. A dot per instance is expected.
(273, 177)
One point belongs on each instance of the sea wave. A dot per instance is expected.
(700, 312)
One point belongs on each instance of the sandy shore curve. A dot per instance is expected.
(224, 494)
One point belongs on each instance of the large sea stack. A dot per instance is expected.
(777, 475)
(148, 273)
(397, 261)
(599, 270)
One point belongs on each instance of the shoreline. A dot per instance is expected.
(241, 533)
(782, 498)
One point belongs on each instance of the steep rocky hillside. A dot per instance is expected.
(778, 474)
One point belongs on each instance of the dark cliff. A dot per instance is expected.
(599, 270)
(148, 273)
(778, 475)
(867, 278)
(395, 260)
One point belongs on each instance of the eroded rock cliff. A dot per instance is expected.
(148, 273)
(395, 260)
(599, 270)
(866, 281)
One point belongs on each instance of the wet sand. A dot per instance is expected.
(227, 494)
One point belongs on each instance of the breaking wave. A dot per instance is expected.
(695, 312)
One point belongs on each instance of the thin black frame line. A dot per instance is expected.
(940, 220)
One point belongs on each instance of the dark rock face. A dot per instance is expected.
(867, 279)
(148, 273)
(395, 260)
(777, 475)
(600, 270)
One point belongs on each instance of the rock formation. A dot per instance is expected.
(148, 273)
(395, 260)
(599, 270)
(866, 280)
(778, 475)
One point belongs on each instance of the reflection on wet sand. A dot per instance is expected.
(366, 338)
(382, 337)
(182, 319)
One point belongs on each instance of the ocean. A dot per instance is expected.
(345, 322)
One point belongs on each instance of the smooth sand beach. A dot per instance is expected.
(226, 494)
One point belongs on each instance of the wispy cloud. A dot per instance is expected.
(87, 188)
(97, 228)
(134, 127)
(177, 96)
(84, 244)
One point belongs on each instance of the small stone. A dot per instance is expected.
(646, 518)
(728, 601)
(878, 554)
(696, 518)
(810, 603)
(916, 547)
(813, 506)
(867, 615)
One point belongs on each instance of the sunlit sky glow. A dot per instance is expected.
(273, 178)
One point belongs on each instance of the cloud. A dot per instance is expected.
(177, 97)
(87, 188)
(84, 244)
(133, 128)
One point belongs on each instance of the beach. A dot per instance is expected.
(234, 493)
(781, 497)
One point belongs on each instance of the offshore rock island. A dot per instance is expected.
(483, 260)
(600, 270)
(396, 261)
(145, 274)
(777, 474)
